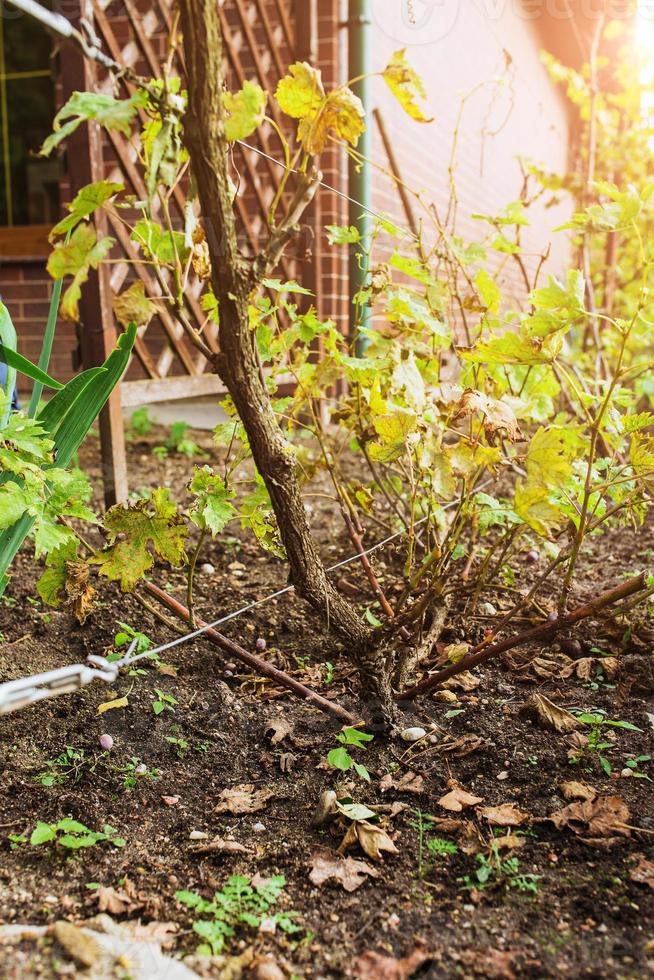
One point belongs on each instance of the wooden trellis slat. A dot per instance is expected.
(260, 42)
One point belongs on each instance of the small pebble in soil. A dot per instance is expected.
(503, 775)
(553, 616)
(532, 556)
(207, 568)
(197, 835)
(141, 769)
(259, 828)
(228, 673)
(626, 772)
(106, 742)
(231, 667)
(488, 609)
(412, 734)
(260, 644)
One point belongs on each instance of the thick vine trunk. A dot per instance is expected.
(233, 280)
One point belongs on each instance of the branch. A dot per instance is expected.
(284, 232)
(544, 631)
(256, 663)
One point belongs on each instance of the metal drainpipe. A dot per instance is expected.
(360, 177)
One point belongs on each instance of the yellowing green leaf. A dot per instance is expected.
(301, 92)
(406, 85)
(110, 705)
(113, 114)
(85, 202)
(212, 508)
(139, 532)
(514, 349)
(75, 258)
(340, 114)
(133, 306)
(533, 505)
(245, 111)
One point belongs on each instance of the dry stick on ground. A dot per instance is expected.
(234, 277)
(266, 669)
(545, 631)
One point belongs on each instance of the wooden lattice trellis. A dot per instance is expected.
(262, 37)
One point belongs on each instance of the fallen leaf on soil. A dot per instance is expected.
(505, 815)
(458, 798)
(163, 933)
(79, 945)
(601, 817)
(572, 790)
(465, 681)
(377, 966)
(110, 705)
(347, 872)
(265, 968)
(170, 800)
(643, 873)
(279, 729)
(463, 746)
(552, 715)
(238, 800)
(371, 838)
(168, 670)
(577, 743)
(218, 844)
(510, 842)
(116, 901)
(582, 669)
(493, 964)
(411, 782)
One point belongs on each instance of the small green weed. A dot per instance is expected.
(73, 835)
(239, 903)
(492, 870)
(341, 759)
(163, 702)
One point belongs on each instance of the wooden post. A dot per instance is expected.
(306, 49)
(98, 330)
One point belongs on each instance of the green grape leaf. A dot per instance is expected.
(133, 306)
(113, 114)
(75, 258)
(212, 508)
(406, 85)
(85, 202)
(137, 533)
(245, 111)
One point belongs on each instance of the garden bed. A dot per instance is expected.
(579, 903)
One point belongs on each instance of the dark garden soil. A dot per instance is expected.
(590, 912)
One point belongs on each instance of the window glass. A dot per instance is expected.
(29, 184)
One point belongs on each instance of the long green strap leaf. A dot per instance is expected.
(9, 339)
(68, 416)
(46, 347)
(21, 364)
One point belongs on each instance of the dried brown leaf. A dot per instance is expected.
(552, 715)
(505, 815)
(377, 966)
(238, 800)
(411, 782)
(573, 790)
(276, 731)
(349, 873)
(605, 816)
(115, 901)
(462, 746)
(643, 873)
(371, 838)
(458, 798)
